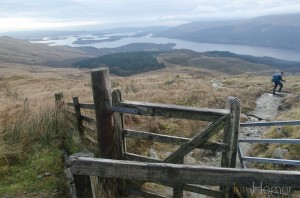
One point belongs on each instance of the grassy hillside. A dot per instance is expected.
(290, 66)
(24, 52)
(228, 63)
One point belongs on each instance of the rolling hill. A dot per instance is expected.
(228, 63)
(24, 52)
(129, 59)
(280, 31)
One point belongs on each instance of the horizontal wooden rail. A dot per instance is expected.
(70, 104)
(198, 189)
(171, 111)
(88, 119)
(143, 193)
(175, 111)
(87, 106)
(88, 129)
(273, 161)
(273, 141)
(275, 123)
(84, 118)
(176, 173)
(215, 146)
(187, 187)
(141, 158)
(83, 105)
(202, 190)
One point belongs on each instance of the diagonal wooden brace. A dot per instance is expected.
(197, 141)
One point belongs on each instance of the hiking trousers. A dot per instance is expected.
(276, 85)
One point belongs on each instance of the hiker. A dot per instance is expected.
(277, 79)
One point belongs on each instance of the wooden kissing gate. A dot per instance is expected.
(113, 161)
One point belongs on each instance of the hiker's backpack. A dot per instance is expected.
(275, 77)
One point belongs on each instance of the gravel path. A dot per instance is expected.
(265, 110)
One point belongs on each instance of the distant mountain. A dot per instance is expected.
(149, 29)
(39, 34)
(20, 51)
(281, 31)
(190, 28)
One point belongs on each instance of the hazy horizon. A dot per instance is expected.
(31, 15)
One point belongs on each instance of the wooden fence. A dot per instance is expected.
(111, 146)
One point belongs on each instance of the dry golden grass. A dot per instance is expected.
(190, 87)
(31, 132)
(21, 89)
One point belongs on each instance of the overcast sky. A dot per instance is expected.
(80, 14)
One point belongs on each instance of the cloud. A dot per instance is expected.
(205, 9)
(134, 12)
(13, 24)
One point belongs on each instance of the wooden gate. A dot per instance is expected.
(111, 135)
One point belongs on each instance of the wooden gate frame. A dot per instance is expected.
(163, 172)
(110, 128)
(109, 109)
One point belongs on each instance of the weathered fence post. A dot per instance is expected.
(104, 120)
(178, 188)
(118, 130)
(78, 116)
(59, 100)
(118, 125)
(82, 183)
(106, 146)
(231, 132)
